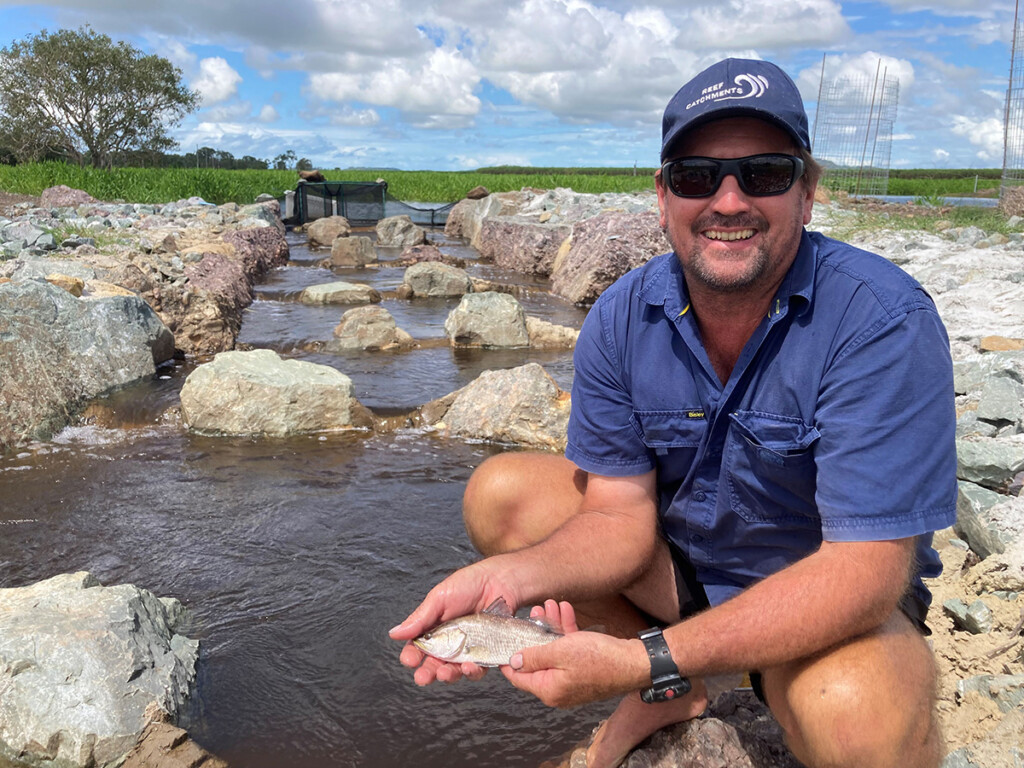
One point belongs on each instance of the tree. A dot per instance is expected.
(304, 164)
(82, 95)
(281, 161)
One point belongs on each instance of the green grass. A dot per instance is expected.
(161, 185)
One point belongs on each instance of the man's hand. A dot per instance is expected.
(468, 590)
(579, 668)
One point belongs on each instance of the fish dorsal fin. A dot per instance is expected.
(499, 608)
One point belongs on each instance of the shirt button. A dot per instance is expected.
(697, 538)
(699, 496)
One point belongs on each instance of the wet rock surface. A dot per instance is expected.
(80, 664)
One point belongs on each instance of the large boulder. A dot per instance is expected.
(322, 233)
(352, 252)
(433, 278)
(57, 352)
(604, 248)
(521, 245)
(259, 393)
(487, 319)
(63, 196)
(400, 231)
(466, 217)
(523, 406)
(340, 292)
(79, 665)
(370, 327)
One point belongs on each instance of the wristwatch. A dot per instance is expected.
(666, 683)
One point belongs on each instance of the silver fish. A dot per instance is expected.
(489, 639)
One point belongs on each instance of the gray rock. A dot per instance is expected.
(432, 278)
(466, 218)
(322, 233)
(1005, 690)
(22, 230)
(352, 252)
(969, 235)
(969, 425)
(973, 523)
(340, 293)
(258, 393)
(523, 406)
(487, 319)
(79, 664)
(1002, 401)
(399, 231)
(58, 352)
(989, 462)
(370, 327)
(978, 619)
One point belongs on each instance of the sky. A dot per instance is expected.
(463, 84)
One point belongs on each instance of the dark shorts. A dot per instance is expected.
(693, 599)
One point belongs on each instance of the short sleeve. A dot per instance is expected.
(886, 460)
(601, 437)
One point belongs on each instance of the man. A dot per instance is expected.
(760, 447)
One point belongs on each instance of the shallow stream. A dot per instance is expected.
(295, 556)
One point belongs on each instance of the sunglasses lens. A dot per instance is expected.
(767, 175)
(693, 177)
(758, 175)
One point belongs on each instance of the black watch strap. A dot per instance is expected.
(666, 683)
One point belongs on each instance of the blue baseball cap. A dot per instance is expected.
(736, 88)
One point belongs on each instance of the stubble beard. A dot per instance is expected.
(697, 267)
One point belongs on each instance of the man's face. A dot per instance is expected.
(733, 242)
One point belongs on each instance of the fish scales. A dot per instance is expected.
(489, 639)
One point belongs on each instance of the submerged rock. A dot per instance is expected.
(488, 319)
(79, 665)
(369, 328)
(400, 231)
(522, 405)
(259, 393)
(432, 278)
(340, 292)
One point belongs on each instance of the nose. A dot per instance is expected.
(730, 199)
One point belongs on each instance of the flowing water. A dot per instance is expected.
(295, 556)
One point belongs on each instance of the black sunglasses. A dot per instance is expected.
(757, 175)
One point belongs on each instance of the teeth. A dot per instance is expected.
(743, 234)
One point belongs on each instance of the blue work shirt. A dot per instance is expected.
(837, 421)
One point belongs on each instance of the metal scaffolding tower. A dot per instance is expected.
(1013, 125)
(853, 131)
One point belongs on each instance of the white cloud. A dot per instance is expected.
(236, 111)
(268, 114)
(217, 81)
(767, 24)
(940, 156)
(903, 137)
(356, 117)
(436, 91)
(987, 134)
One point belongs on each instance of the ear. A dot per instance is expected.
(807, 200)
(662, 192)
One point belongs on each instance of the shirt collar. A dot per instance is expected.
(665, 284)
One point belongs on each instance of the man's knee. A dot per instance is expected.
(870, 705)
(514, 500)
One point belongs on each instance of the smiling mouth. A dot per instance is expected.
(743, 234)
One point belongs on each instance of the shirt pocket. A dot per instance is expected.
(770, 468)
(673, 437)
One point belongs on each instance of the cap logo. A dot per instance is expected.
(746, 87)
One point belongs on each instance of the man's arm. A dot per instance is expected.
(596, 553)
(840, 591)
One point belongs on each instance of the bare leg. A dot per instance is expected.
(514, 500)
(867, 703)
